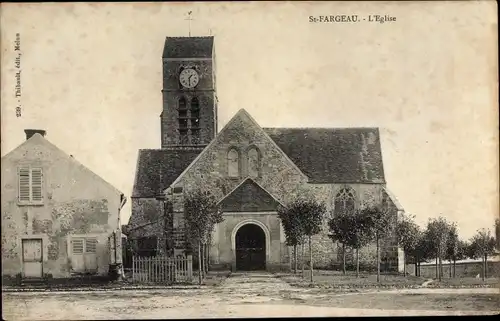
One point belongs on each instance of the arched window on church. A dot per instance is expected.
(253, 161)
(345, 201)
(233, 163)
(195, 120)
(183, 120)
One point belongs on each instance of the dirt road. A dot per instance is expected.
(242, 295)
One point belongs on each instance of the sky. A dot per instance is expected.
(91, 76)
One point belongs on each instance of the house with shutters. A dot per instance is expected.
(58, 217)
(251, 170)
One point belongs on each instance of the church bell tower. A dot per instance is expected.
(189, 116)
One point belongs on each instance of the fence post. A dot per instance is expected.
(190, 267)
(139, 265)
(184, 268)
(155, 275)
(165, 268)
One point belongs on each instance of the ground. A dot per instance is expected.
(247, 295)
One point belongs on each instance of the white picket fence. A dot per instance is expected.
(162, 269)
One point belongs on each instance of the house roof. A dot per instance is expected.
(333, 155)
(39, 140)
(156, 164)
(188, 47)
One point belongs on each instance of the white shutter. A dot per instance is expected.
(77, 245)
(24, 184)
(36, 185)
(90, 245)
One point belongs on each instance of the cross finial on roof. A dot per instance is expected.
(189, 18)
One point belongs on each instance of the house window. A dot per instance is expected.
(78, 246)
(90, 245)
(147, 246)
(233, 168)
(82, 245)
(253, 162)
(84, 254)
(30, 185)
(345, 201)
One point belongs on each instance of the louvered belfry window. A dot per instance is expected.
(30, 185)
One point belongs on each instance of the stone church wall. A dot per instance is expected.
(278, 176)
(146, 222)
(326, 253)
(204, 92)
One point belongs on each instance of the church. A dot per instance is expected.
(251, 170)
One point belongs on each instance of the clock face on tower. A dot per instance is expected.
(189, 78)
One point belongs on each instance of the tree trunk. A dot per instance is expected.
(378, 259)
(404, 263)
(199, 263)
(416, 267)
(454, 267)
(484, 266)
(343, 258)
(357, 262)
(203, 260)
(295, 259)
(310, 257)
(440, 268)
(437, 268)
(302, 259)
(208, 259)
(419, 271)
(450, 268)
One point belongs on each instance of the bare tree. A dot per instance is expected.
(408, 233)
(360, 235)
(497, 233)
(311, 216)
(437, 233)
(292, 225)
(452, 247)
(201, 214)
(482, 244)
(341, 226)
(379, 224)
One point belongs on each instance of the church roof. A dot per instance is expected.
(333, 155)
(249, 196)
(188, 47)
(153, 164)
(324, 155)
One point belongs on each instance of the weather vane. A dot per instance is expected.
(189, 18)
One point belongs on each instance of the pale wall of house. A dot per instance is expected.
(76, 201)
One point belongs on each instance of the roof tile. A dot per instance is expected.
(188, 47)
(333, 155)
(156, 164)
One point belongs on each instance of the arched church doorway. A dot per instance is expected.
(250, 248)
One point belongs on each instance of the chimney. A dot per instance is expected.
(31, 132)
